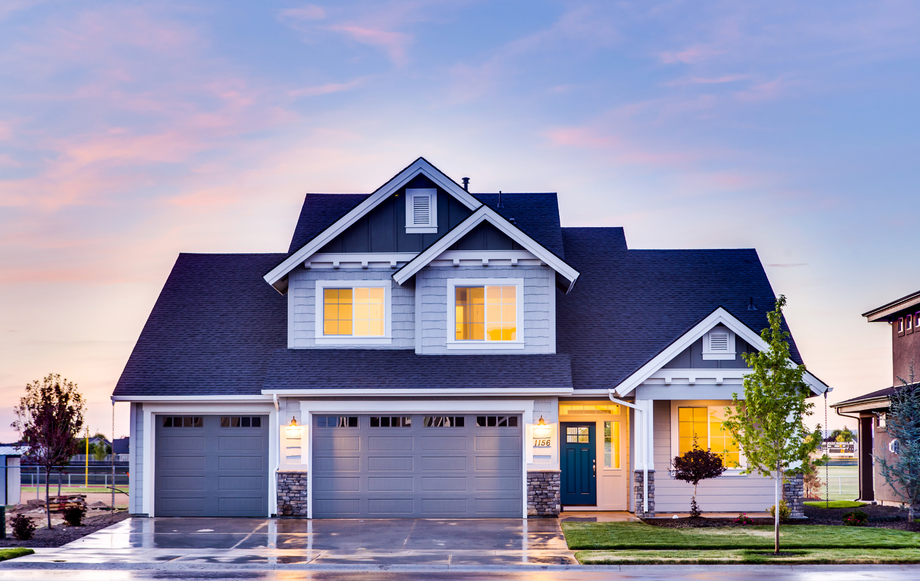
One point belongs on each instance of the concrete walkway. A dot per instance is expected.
(351, 543)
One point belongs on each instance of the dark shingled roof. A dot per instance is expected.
(874, 395)
(537, 215)
(212, 330)
(403, 369)
(629, 305)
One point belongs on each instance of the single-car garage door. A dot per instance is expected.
(458, 466)
(211, 466)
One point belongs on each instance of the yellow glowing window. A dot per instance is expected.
(721, 442)
(356, 312)
(705, 424)
(486, 313)
(692, 425)
(611, 444)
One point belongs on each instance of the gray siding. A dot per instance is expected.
(302, 307)
(136, 460)
(751, 493)
(539, 307)
(692, 357)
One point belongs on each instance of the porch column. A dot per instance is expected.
(645, 458)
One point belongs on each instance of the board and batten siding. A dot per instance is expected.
(302, 314)
(136, 460)
(749, 493)
(539, 309)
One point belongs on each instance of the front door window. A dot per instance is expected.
(579, 466)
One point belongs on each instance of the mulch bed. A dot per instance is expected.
(886, 517)
(62, 534)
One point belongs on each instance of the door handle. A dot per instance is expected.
(594, 466)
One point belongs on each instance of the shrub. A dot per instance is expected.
(784, 512)
(744, 519)
(23, 527)
(856, 518)
(73, 515)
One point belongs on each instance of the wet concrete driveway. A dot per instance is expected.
(266, 542)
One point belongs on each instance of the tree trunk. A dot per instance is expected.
(779, 477)
(60, 474)
(48, 495)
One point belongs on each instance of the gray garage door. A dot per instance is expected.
(417, 466)
(211, 465)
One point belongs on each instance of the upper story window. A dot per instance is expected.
(719, 343)
(421, 211)
(485, 313)
(900, 325)
(352, 314)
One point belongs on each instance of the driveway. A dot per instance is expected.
(264, 543)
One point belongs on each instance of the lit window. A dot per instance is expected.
(611, 444)
(354, 312)
(486, 313)
(704, 425)
(577, 435)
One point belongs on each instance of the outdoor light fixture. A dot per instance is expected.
(542, 433)
(293, 423)
(542, 422)
(292, 429)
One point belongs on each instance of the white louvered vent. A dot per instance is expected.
(718, 342)
(421, 210)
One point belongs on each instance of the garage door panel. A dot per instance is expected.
(211, 470)
(416, 470)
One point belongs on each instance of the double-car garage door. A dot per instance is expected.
(417, 466)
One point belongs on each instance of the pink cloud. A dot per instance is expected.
(707, 80)
(762, 91)
(393, 43)
(691, 55)
(326, 89)
(308, 12)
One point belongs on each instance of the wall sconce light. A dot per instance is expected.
(293, 423)
(542, 431)
(542, 422)
(292, 429)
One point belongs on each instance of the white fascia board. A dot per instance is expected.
(412, 393)
(486, 213)
(182, 399)
(718, 316)
(421, 165)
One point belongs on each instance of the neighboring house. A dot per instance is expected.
(426, 351)
(10, 458)
(903, 315)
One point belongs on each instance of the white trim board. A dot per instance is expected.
(409, 394)
(718, 316)
(483, 214)
(277, 277)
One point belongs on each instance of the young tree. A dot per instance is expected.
(100, 449)
(902, 473)
(696, 465)
(48, 418)
(768, 422)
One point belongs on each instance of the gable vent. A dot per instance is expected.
(421, 210)
(718, 342)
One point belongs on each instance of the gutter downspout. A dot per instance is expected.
(644, 444)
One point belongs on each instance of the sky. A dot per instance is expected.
(131, 131)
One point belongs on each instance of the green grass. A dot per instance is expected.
(638, 535)
(836, 504)
(844, 482)
(748, 556)
(6, 554)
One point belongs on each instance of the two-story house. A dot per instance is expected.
(426, 351)
(903, 316)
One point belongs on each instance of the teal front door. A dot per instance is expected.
(579, 465)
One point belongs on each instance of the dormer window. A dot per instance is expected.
(719, 344)
(421, 211)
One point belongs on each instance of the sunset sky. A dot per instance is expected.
(132, 131)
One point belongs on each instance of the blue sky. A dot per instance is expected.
(131, 131)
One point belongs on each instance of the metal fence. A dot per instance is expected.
(70, 476)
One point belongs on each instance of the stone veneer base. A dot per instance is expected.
(794, 495)
(543, 497)
(638, 491)
(292, 493)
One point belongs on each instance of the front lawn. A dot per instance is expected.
(748, 556)
(6, 554)
(835, 504)
(638, 535)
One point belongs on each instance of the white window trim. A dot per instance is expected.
(709, 354)
(453, 283)
(675, 440)
(322, 339)
(432, 226)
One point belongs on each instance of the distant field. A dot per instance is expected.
(842, 483)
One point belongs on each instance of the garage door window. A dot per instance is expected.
(443, 421)
(391, 421)
(337, 421)
(240, 422)
(183, 422)
(496, 421)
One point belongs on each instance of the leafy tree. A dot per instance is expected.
(811, 479)
(101, 448)
(696, 465)
(844, 435)
(48, 418)
(902, 473)
(768, 422)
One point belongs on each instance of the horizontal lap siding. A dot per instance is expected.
(136, 460)
(539, 306)
(750, 493)
(303, 316)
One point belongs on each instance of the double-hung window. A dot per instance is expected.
(485, 314)
(703, 426)
(352, 314)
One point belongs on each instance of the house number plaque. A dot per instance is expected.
(542, 442)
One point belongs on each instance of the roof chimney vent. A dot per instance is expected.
(466, 184)
(751, 306)
(499, 200)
